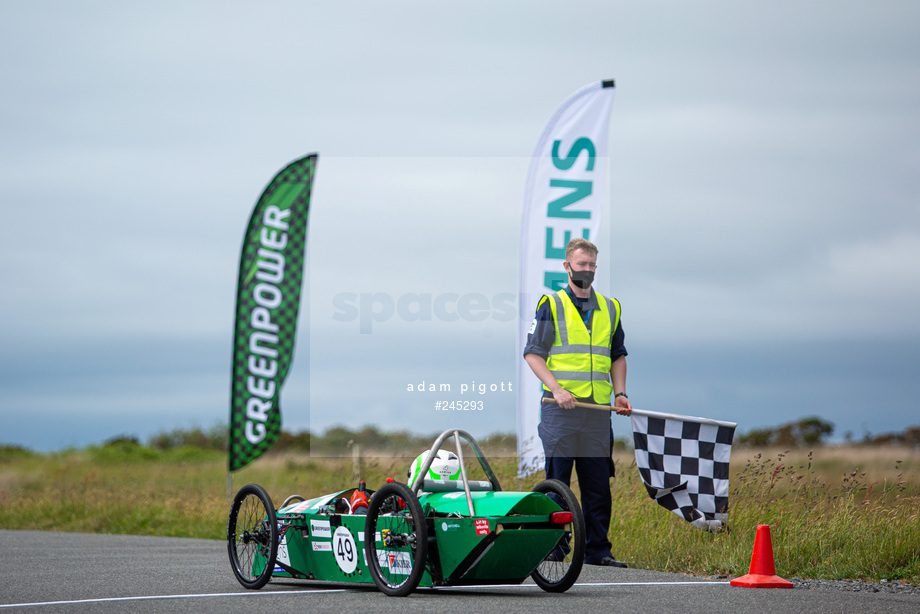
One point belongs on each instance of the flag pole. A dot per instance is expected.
(645, 412)
(638, 412)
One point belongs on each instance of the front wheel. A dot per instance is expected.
(561, 567)
(395, 540)
(252, 536)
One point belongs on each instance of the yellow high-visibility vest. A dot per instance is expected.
(580, 359)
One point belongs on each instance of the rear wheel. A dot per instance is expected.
(252, 536)
(559, 570)
(395, 540)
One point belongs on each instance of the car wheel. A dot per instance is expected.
(559, 570)
(395, 540)
(252, 536)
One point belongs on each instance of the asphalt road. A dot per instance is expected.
(67, 572)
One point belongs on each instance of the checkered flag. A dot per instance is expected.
(683, 462)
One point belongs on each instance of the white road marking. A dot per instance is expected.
(320, 590)
(494, 586)
(155, 597)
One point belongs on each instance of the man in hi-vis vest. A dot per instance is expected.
(575, 347)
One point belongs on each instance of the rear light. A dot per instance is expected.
(560, 517)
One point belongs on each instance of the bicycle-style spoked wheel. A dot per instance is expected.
(252, 536)
(559, 570)
(396, 540)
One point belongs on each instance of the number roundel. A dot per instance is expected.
(345, 550)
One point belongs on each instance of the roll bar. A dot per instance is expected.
(457, 434)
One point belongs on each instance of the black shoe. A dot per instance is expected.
(607, 561)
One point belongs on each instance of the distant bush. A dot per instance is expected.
(813, 431)
(122, 449)
(909, 437)
(12, 452)
(299, 441)
(122, 440)
(214, 438)
(805, 432)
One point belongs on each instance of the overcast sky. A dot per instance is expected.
(764, 205)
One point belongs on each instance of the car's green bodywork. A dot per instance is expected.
(509, 535)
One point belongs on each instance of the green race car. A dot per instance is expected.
(437, 531)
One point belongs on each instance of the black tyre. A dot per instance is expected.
(396, 540)
(252, 536)
(559, 570)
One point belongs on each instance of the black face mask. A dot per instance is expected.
(582, 279)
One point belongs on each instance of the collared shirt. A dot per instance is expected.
(543, 332)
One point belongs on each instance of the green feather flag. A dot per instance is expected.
(267, 304)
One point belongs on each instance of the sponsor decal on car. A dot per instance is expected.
(322, 546)
(283, 554)
(297, 508)
(302, 506)
(397, 562)
(320, 528)
(450, 526)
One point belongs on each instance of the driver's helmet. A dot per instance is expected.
(444, 466)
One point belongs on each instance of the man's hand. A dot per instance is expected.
(624, 407)
(618, 378)
(538, 365)
(564, 398)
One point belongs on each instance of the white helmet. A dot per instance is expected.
(444, 466)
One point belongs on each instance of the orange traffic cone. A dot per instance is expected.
(763, 572)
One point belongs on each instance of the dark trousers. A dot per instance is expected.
(594, 480)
